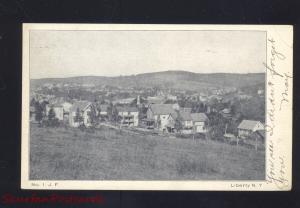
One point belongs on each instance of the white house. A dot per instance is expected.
(58, 110)
(32, 114)
(66, 106)
(163, 115)
(200, 121)
(84, 107)
(187, 122)
(129, 116)
(171, 97)
(59, 102)
(247, 127)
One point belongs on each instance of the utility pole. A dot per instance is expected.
(256, 143)
(225, 132)
(193, 133)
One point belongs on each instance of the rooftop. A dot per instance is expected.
(248, 124)
(81, 105)
(156, 100)
(127, 109)
(199, 117)
(55, 105)
(162, 109)
(185, 116)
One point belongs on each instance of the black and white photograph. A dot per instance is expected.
(148, 105)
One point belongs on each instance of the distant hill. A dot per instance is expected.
(166, 79)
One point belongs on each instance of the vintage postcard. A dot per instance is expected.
(157, 107)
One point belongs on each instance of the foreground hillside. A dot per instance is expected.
(167, 79)
(61, 154)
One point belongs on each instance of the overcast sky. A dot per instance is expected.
(114, 53)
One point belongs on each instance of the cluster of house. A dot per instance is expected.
(67, 112)
(164, 116)
(158, 116)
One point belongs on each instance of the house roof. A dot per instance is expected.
(55, 105)
(57, 100)
(82, 105)
(127, 109)
(156, 100)
(248, 124)
(162, 109)
(185, 116)
(187, 109)
(199, 117)
(125, 100)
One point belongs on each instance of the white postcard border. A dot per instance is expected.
(279, 73)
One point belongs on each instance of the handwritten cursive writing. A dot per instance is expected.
(275, 55)
(271, 110)
(272, 67)
(276, 175)
(276, 99)
(285, 93)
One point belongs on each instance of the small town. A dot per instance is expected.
(160, 126)
(228, 114)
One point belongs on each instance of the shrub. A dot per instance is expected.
(51, 123)
(82, 127)
(91, 129)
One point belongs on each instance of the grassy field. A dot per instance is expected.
(69, 154)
